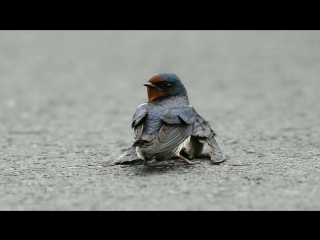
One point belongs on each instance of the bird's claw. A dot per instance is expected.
(186, 161)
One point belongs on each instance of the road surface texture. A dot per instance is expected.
(67, 99)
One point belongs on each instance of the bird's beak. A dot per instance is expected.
(151, 86)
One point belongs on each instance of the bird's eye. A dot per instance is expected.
(168, 85)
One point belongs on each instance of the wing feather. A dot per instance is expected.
(179, 115)
(169, 137)
(204, 133)
(140, 113)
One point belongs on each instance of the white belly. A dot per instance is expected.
(178, 149)
(173, 153)
(139, 153)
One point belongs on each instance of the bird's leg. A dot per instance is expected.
(188, 155)
(145, 161)
(152, 161)
(186, 161)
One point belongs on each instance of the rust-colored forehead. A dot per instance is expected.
(155, 79)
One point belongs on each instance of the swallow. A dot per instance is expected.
(167, 126)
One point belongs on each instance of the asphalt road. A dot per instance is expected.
(67, 98)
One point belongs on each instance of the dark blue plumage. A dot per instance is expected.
(158, 107)
(177, 88)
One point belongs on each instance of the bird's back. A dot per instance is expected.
(156, 109)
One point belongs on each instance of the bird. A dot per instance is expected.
(168, 127)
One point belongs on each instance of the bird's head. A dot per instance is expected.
(164, 85)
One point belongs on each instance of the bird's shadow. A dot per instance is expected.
(160, 166)
(164, 166)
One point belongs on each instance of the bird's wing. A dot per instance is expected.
(139, 114)
(130, 154)
(181, 115)
(177, 125)
(204, 133)
(169, 137)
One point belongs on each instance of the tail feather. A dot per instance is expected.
(129, 156)
(217, 152)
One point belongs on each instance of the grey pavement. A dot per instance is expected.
(67, 98)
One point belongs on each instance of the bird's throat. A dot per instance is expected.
(154, 93)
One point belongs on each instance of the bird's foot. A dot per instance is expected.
(186, 161)
(152, 161)
(185, 154)
(145, 162)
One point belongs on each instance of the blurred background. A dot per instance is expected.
(71, 94)
(102, 72)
